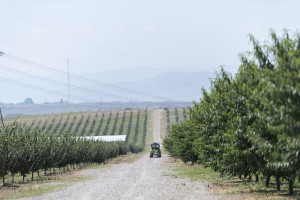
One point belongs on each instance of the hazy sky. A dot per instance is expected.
(103, 35)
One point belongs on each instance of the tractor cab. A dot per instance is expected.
(155, 150)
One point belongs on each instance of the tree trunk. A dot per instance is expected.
(278, 183)
(23, 178)
(13, 178)
(256, 178)
(268, 181)
(45, 172)
(291, 191)
(240, 176)
(32, 175)
(3, 181)
(38, 173)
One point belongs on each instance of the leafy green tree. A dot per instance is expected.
(4, 152)
(277, 100)
(248, 124)
(179, 143)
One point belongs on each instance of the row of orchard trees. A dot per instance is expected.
(25, 151)
(248, 124)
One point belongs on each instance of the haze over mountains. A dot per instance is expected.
(172, 85)
(180, 86)
(167, 84)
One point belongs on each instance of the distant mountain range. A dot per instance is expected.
(171, 85)
(14, 110)
(168, 85)
(179, 86)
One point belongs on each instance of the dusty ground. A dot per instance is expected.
(146, 178)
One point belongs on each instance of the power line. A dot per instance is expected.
(61, 83)
(47, 54)
(39, 89)
(83, 40)
(68, 80)
(89, 65)
(91, 44)
(85, 79)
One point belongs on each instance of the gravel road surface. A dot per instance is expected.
(147, 178)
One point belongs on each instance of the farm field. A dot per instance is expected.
(132, 123)
(150, 100)
(31, 132)
(137, 125)
(145, 178)
(172, 116)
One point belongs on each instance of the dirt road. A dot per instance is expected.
(147, 178)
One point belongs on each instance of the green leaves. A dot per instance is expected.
(248, 124)
(23, 150)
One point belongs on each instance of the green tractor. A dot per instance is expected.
(155, 150)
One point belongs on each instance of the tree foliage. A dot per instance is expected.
(23, 150)
(248, 124)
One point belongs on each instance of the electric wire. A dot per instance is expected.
(85, 79)
(83, 40)
(61, 83)
(24, 85)
(89, 65)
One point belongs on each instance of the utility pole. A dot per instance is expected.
(68, 81)
(1, 118)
